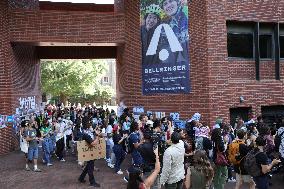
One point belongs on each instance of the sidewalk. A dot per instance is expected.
(65, 175)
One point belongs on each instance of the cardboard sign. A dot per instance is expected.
(174, 116)
(137, 110)
(179, 124)
(87, 153)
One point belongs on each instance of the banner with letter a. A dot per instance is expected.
(165, 46)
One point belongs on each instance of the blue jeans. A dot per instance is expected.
(47, 147)
(108, 151)
(137, 158)
(261, 182)
(53, 142)
(119, 156)
(32, 153)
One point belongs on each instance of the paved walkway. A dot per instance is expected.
(65, 174)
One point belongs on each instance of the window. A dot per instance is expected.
(240, 45)
(265, 46)
(281, 43)
(105, 79)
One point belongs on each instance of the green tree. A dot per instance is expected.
(74, 79)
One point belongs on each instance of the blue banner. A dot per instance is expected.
(165, 46)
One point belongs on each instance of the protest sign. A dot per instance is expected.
(137, 110)
(87, 152)
(174, 116)
(179, 124)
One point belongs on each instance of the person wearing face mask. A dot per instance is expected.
(59, 129)
(91, 138)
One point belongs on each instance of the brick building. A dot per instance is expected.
(235, 54)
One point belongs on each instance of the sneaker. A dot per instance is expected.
(28, 169)
(125, 179)
(95, 184)
(37, 170)
(119, 172)
(81, 181)
(63, 160)
(49, 164)
(231, 180)
(43, 161)
(110, 165)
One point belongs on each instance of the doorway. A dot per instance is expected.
(242, 112)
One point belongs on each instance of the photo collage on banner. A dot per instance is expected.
(165, 46)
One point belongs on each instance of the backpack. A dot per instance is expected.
(250, 164)
(277, 141)
(233, 151)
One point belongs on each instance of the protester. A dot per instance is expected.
(136, 173)
(173, 169)
(200, 175)
(92, 140)
(24, 143)
(134, 143)
(262, 162)
(32, 139)
(118, 140)
(59, 129)
(109, 145)
(220, 159)
(47, 147)
(242, 175)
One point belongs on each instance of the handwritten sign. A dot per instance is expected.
(87, 152)
(174, 115)
(137, 110)
(179, 124)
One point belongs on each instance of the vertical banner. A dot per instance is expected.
(165, 46)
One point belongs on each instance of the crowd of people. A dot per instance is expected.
(163, 155)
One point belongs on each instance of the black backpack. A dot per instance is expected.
(250, 164)
(277, 141)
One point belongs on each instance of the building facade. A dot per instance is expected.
(226, 79)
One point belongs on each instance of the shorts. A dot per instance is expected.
(32, 153)
(243, 178)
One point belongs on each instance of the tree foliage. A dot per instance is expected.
(74, 79)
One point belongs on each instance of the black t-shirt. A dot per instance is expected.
(146, 151)
(262, 159)
(116, 138)
(243, 150)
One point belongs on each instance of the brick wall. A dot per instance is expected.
(129, 66)
(216, 81)
(235, 78)
(66, 26)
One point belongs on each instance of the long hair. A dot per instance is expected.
(134, 178)
(202, 164)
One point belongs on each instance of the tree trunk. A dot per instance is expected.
(63, 98)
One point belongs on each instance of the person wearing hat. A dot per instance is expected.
(118, 140)
(151, 21)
